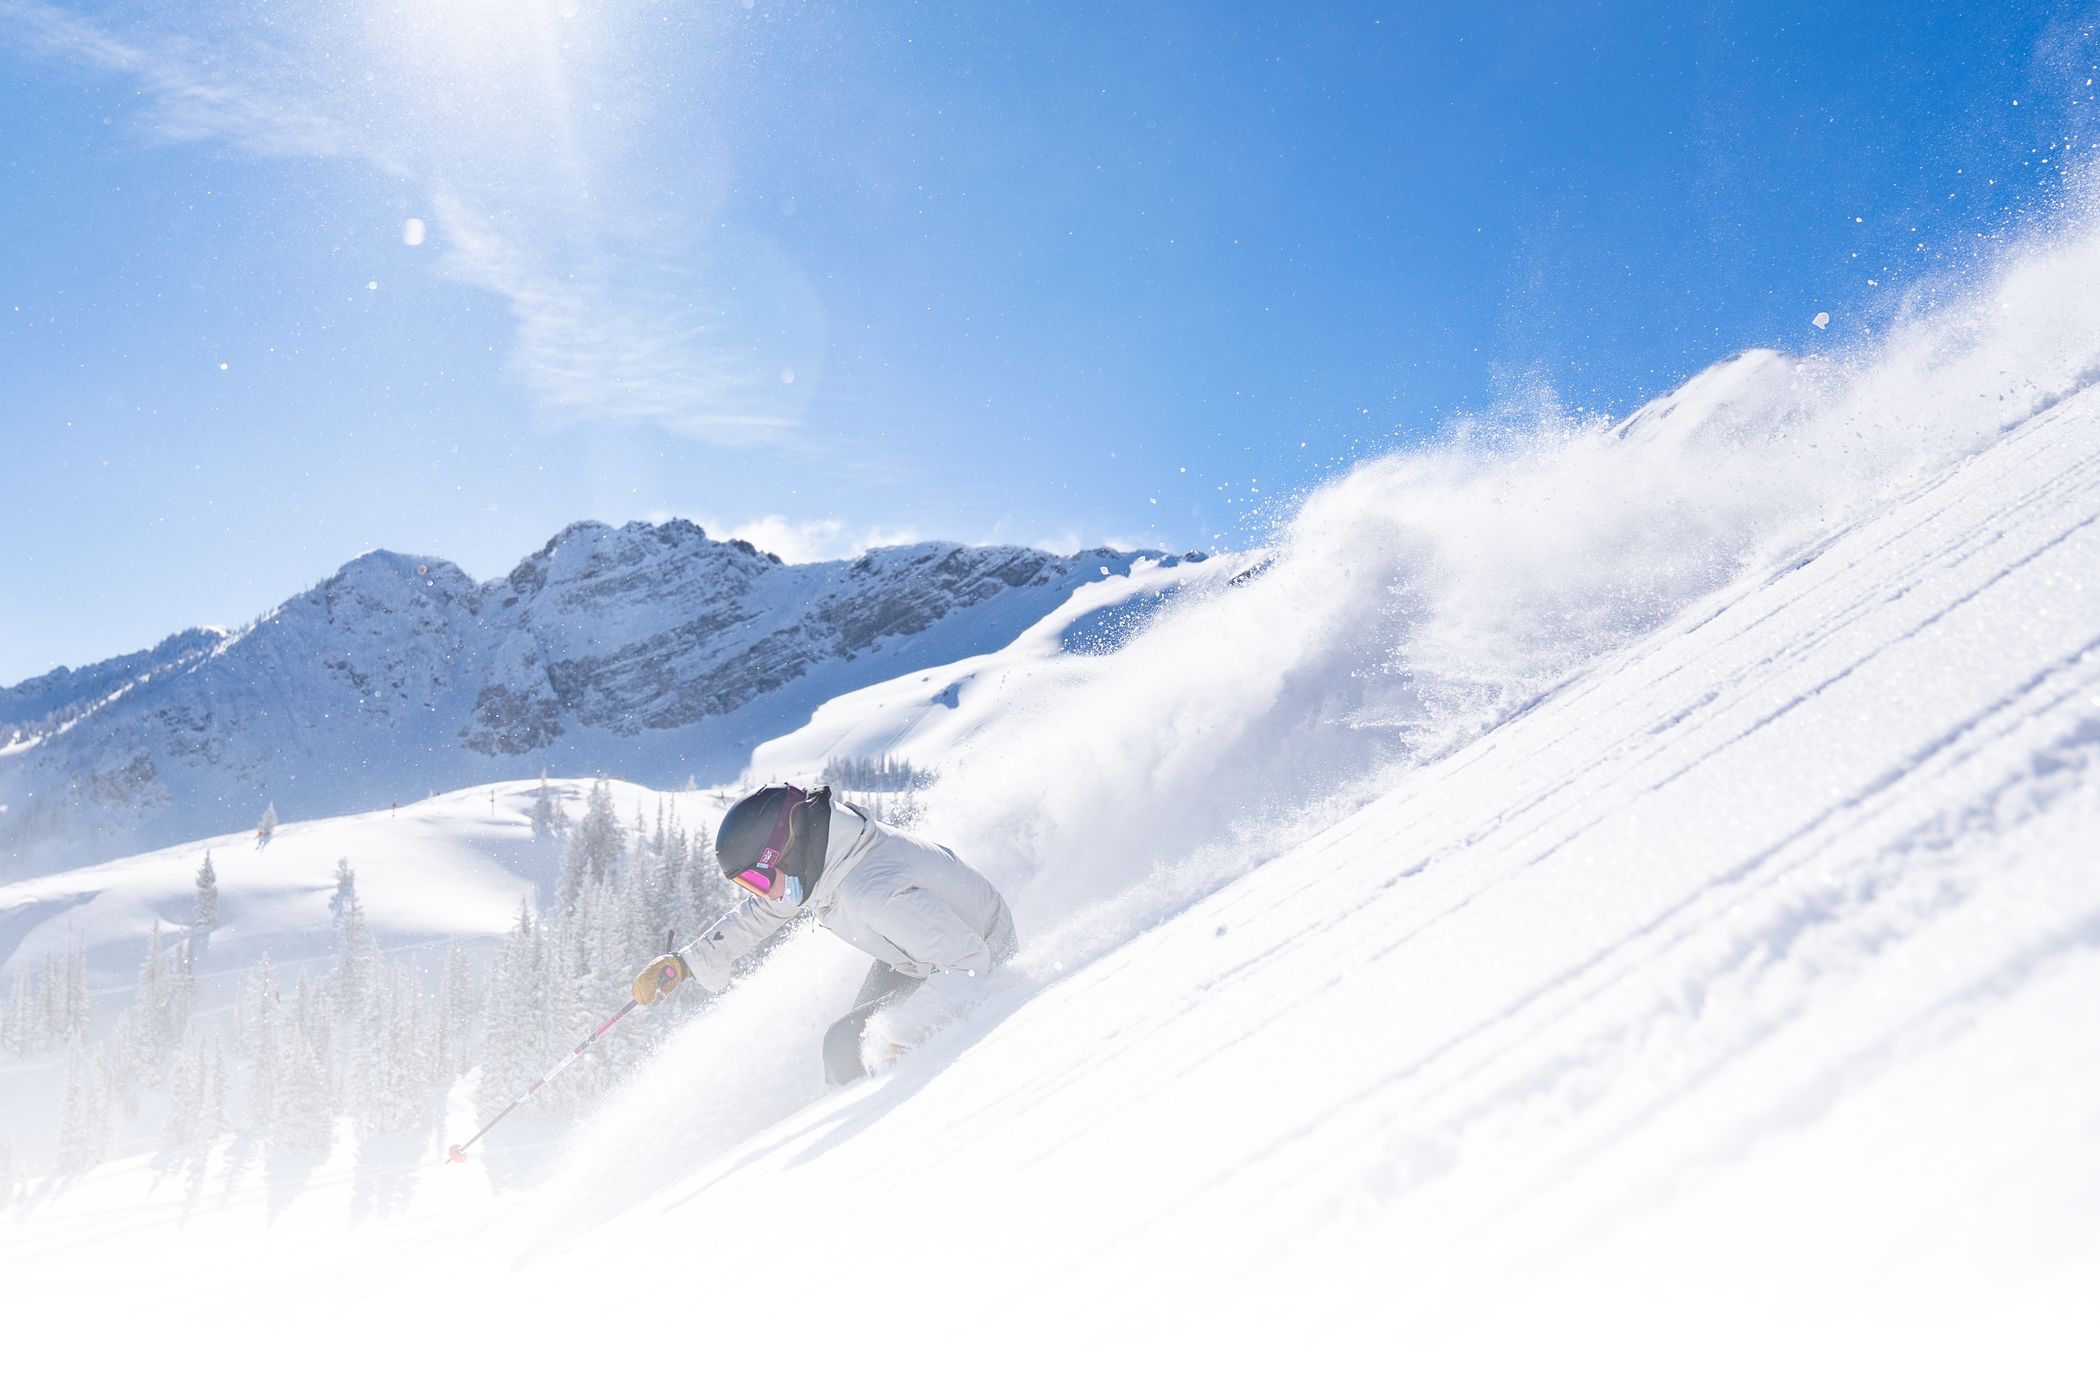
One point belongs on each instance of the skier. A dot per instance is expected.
(912, 904)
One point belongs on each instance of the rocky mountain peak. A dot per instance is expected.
(648, 649)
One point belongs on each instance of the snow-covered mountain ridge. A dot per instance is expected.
(42, 703)
(647, 650)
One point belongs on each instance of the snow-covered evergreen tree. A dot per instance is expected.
(305, 1112)
(51, 1002)
(548, 818)
(310, 1020)
(345, 890)
(184, 1101)
(594, 847)
(455, 1014)
(211, 1113)
(267, 827)
(558, 1024)
(73, 999)
(510, 1018)
(116, 1062)
(182, 991)
(152, 1014)
(24, 1033)
(264, 1038)
(356, 1004)
(83, 1122)
(407, 1076)
(205, 914)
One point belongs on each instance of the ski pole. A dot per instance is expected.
(457, 1152)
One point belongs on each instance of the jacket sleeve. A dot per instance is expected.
(930, 933)
(712, 956)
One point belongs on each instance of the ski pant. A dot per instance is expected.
(883, 986)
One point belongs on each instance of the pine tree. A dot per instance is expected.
(264, 1037)
(455, 1014)
(7, 1172)
(83, 1122)
(211, 1114)
(306, 1117)
(206, 914)
(117, 1063)
(182, 992)
(548, 819)
(267, 827)
(51, 1003)
(184, 1101)
(310, 1021)
(74, 1008)
(509, 1015)
(558, 1021)
(356, 1002)
(24, 1034)
(410, 1071)
(592, 854)
(150, 1014)
(252, 1007)
(345, 890)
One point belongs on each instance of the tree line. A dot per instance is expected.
(377, 1040)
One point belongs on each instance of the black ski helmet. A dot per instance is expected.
(740, 841)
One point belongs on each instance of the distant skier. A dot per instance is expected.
(915, 906)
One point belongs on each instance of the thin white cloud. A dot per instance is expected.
(804, 541)
(186, 90)
(599, 334)
(590, 352)
(1071, 542)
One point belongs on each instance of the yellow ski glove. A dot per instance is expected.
(660, 978)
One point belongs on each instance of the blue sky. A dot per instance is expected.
(827, 275)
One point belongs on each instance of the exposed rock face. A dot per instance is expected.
(649, 650)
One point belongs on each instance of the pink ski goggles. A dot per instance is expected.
(762, 877)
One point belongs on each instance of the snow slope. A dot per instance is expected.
(921, 718)
(446, 867)
(1601, 913)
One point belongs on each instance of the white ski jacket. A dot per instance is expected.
(899, 898)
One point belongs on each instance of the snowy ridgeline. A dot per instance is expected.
(651, 651)
(379, 1040)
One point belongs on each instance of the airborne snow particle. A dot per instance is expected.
(1822, 321)
(371, 286)
(222, 364)
(412, 232)
(787, 376)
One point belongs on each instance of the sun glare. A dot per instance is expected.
(476, 38)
